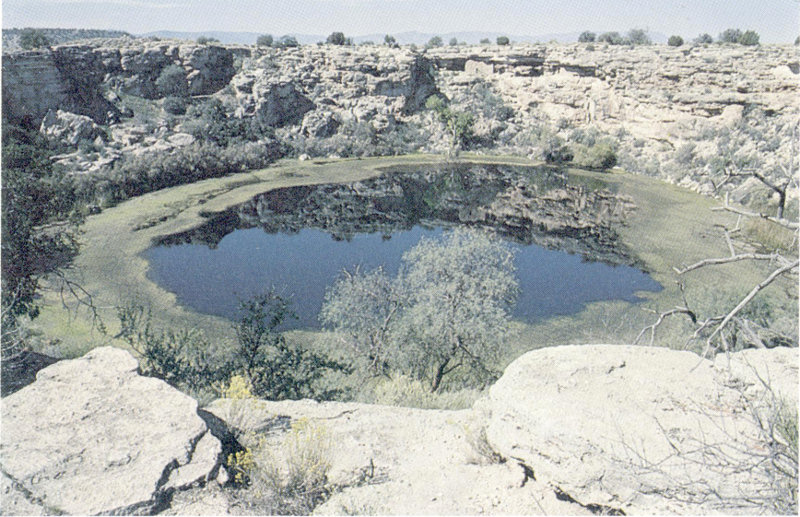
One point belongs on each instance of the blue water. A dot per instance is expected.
(247, 262)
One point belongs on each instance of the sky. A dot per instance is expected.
(777, 21)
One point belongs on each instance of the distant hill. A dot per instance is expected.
(56, 36)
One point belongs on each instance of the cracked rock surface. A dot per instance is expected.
(93, 436)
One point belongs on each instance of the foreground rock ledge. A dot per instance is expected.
(92, 436)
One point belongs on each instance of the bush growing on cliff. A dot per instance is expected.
(639, 37)
(587, 37)
(675, 41)
(601, 155)
(435, 41)
(458, 124)
(275, 369)
(730, 36)
(265, 40)
(33, 38)
(749, 38)
(206, 40)
(172, 82)
(612, 38)
(174, 105)
(287, 42)
(503, 40)
(336, 38)
(703, 39)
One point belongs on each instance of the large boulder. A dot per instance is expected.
(394, 460)
(638, 429)
(273, 102)
(210, 68)
(69, 128)
(93, 436)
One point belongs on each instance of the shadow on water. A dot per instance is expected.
(298, 239)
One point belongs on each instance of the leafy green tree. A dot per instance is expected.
(435, 41)
(587, 37)
(265, 40)
(639, 37)
(336, 38)
(486, 41)
(447, 310)
(675, 41)
(275, 369)
(172, 81)
(730, 36)
(453, 42)
(503, 40)
(389, 40)
(704, 39)
(33, 194)
(33, 38)
(749, 38)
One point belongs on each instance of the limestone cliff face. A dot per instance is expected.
(76, 78)
(637, 87)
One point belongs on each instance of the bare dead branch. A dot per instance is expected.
(758, 288)
(734, 258)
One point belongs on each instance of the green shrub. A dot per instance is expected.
(453, 42)
(675, 41)
(172, 82)
(601, 155)
(275, 369)
(587, 37)
(33, 38)
(265, 40)
(503, 40)
(175, 105)
(389, 40)
(554, 150)
(486, 41)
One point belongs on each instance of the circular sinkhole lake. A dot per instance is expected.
(249, 262)
(297, 240)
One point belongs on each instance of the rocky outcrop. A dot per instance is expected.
(69, 128)
(588, 429)
(639, 430)
(75, 77)
(400, 461)
(92, 436)
(272, 102)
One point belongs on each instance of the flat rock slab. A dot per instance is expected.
(93, 436)
(395, 460)
(637, 429)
